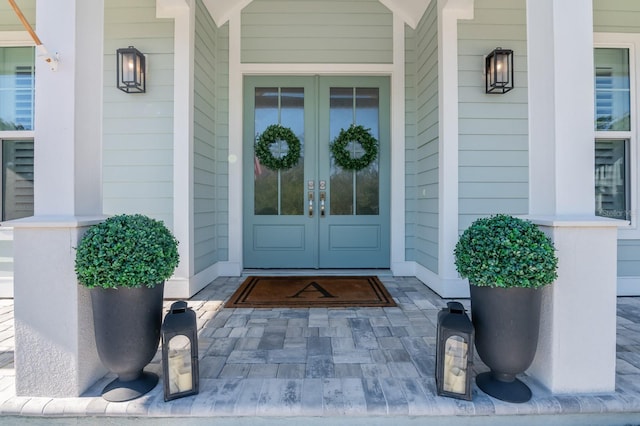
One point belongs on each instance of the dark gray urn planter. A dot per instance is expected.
(507, 322)
(127, 325)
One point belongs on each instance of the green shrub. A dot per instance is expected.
(504, 251)
(126, 251)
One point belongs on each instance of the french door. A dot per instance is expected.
(316, 214)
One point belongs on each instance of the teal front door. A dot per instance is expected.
(316, 214)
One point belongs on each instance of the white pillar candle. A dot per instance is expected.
(185, 380)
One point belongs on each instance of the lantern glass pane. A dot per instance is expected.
(455, 365)
(129, 68)
(502, 69)
(180, 368)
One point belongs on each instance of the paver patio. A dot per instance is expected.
(344, 366)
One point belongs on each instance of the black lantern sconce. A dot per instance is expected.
(180, 352)
(498, 68)
(454, 352)
(131, 70)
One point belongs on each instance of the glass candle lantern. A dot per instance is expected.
(454, 352)
(180, 352)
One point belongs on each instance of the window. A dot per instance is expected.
(17, 81)
(16, 88)
(617, 154)
(613, 132)
(17, 179)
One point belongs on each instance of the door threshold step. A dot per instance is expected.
(321, 272)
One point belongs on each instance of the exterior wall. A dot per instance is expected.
(138, 128)
(493, 141)
(628, 258)
(422, 153)
(314, 31)
(222, 146)
(8, 19)
(620, 16)
(616, 16)
(410, 143)
(209, 159)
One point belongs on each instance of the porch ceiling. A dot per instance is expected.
(410, 11)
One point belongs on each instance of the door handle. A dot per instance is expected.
(323, 196)
(310, 203)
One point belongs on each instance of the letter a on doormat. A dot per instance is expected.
(310, 292)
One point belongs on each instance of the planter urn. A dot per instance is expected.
(506, 322)
(127, 324)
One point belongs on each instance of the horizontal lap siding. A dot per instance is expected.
(9, 20)
(204, 134)
(314, 31)
(621, 16)
(493, 129)
(222, 144)
(208, 158)
(138, 128)
(616, 16)
(422, 159)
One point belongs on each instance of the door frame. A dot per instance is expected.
(399, 266)
(314, 233)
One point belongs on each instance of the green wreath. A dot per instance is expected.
(358, 134)
(271, 135)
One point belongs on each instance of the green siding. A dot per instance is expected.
(621, 16)
(616, 16)
(628, 258)
(410, 143)
(9, 20)
(210, 83)
(222, 146)
(493, 129)
(422, 149)
(317, 31)
(138, 128)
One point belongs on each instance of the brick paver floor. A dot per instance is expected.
(342, 363)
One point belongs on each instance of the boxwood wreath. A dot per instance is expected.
(271, 135)
(358, 134)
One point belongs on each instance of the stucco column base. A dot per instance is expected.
(55, 346)
(577, 344)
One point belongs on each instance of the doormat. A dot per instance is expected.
(311, 292)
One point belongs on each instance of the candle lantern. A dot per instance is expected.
(180, 352)
(454, 352)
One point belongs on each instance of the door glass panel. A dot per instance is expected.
(612, 96)
(354, 193)
(367, 179)
(611, 179)
(340, 117)
(279, 192)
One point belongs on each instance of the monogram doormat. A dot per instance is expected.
(310, 292)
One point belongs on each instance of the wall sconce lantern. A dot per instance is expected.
(180, 352)
(454, 352)
(131, 70)
(498, 67)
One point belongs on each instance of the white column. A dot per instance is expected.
(55, 347)
(577, 350)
